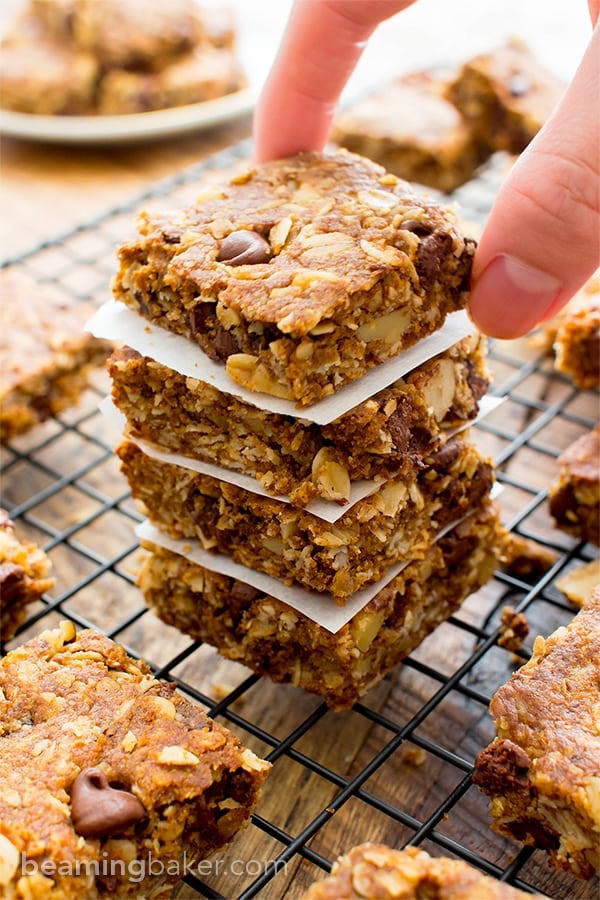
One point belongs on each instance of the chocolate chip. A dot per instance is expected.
(448, 453)
(501, 767)
(241, 248)
(224, 343)
(421, 229)
(431, 252)
(519, 85)
(12, 582)
(99, 810)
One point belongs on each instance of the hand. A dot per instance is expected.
(542, 240)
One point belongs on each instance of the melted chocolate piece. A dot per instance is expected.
(99, 810)
(242, 248)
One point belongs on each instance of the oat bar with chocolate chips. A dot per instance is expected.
(45, 357)
(399, 521)
(24, 576)
(112, 782)
(574, 498)
(300, 274)
(413, 131)
(275, 640)
(543, 769)
(374, 870)
(506, 96)
(385, 436)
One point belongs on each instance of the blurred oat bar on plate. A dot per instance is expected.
(24, 576)
(412, 130)
(386, 435)
(574, 498)
(105, 769)
(45, 356)
(300, 274)
(573, 336)
(40, 75)
(505, 95)
(124, 33)
(274, 639)
(399, 521)
(204, 73)
(542, 771)
(372, 871)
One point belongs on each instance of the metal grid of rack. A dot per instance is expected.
(395, 769)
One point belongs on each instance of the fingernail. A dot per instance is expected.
(510, 297)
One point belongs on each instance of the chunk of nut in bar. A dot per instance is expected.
(301, 274)
(111, 780)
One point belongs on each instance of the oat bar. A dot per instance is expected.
(203, 73)
(400, 520)
(112, 781)
(45, 357)
(574, 498)
(142, 34)
(24, 576)
(300, 274)
(573, 336)
(42, 76)
(385, 436)
(275, 640)
(506, 96)
(375, 871)
(543, 769)
(412, 130)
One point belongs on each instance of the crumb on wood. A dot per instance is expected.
(514, 628)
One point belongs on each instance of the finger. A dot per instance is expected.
(594, 7)
(320, 48)
(542, 239)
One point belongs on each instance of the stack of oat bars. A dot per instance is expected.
(298, 375)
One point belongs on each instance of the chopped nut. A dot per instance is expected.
(439, 390)
(252, 762)
(365, 628)
(389, 328)
(577, 585)
(330, 477)
(278, 234)
(175, 755)
(129, 741)
(9, 860)
(245, 369)
(387, 255)
(165, 708)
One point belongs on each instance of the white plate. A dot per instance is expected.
(128, 128)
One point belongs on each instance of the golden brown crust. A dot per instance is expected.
(543, 769)
(376, 872)
(355, 267)
(70, 702)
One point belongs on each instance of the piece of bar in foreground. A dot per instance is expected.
(371, 871)
(275, 640)
(301, 274)
(111, 781)
(543, 769)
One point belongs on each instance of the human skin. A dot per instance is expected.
(541, 242)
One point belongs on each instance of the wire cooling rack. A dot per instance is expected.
(395, 769)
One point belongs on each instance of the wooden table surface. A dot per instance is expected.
(44, 192)
(47, 189)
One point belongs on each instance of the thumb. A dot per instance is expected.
(542, 240)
